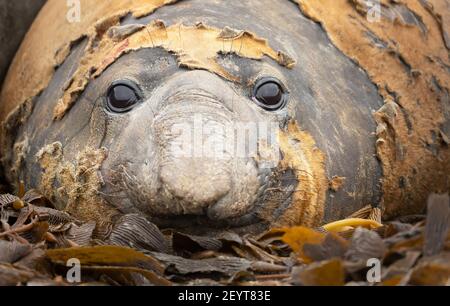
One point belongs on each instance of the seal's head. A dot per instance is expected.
(189, 144)
(198, 117)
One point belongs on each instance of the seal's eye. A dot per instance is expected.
(122, 96)
(270, 94)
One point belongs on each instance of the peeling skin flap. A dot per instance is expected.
(196, 47)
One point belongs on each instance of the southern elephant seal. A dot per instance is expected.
(130, 110)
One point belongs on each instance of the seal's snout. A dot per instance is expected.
(200, 172)
(195, 182)
(195, 164)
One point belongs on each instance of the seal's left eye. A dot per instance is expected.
(270, 94)
(122, 96)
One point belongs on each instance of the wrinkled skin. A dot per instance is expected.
(329, 97)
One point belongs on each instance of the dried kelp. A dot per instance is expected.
(38, 242)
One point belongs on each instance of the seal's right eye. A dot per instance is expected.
(122, 96)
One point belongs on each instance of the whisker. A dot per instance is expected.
(150, 35)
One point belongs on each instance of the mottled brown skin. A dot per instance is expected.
(98, 164)
(409, 62)
(15, 19)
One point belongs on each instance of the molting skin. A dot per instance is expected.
(103, 137)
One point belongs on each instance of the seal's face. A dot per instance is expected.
(188, 145)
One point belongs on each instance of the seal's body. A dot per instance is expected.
(139, 107)
(15, 19)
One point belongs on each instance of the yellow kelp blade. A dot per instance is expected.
(342, 225)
